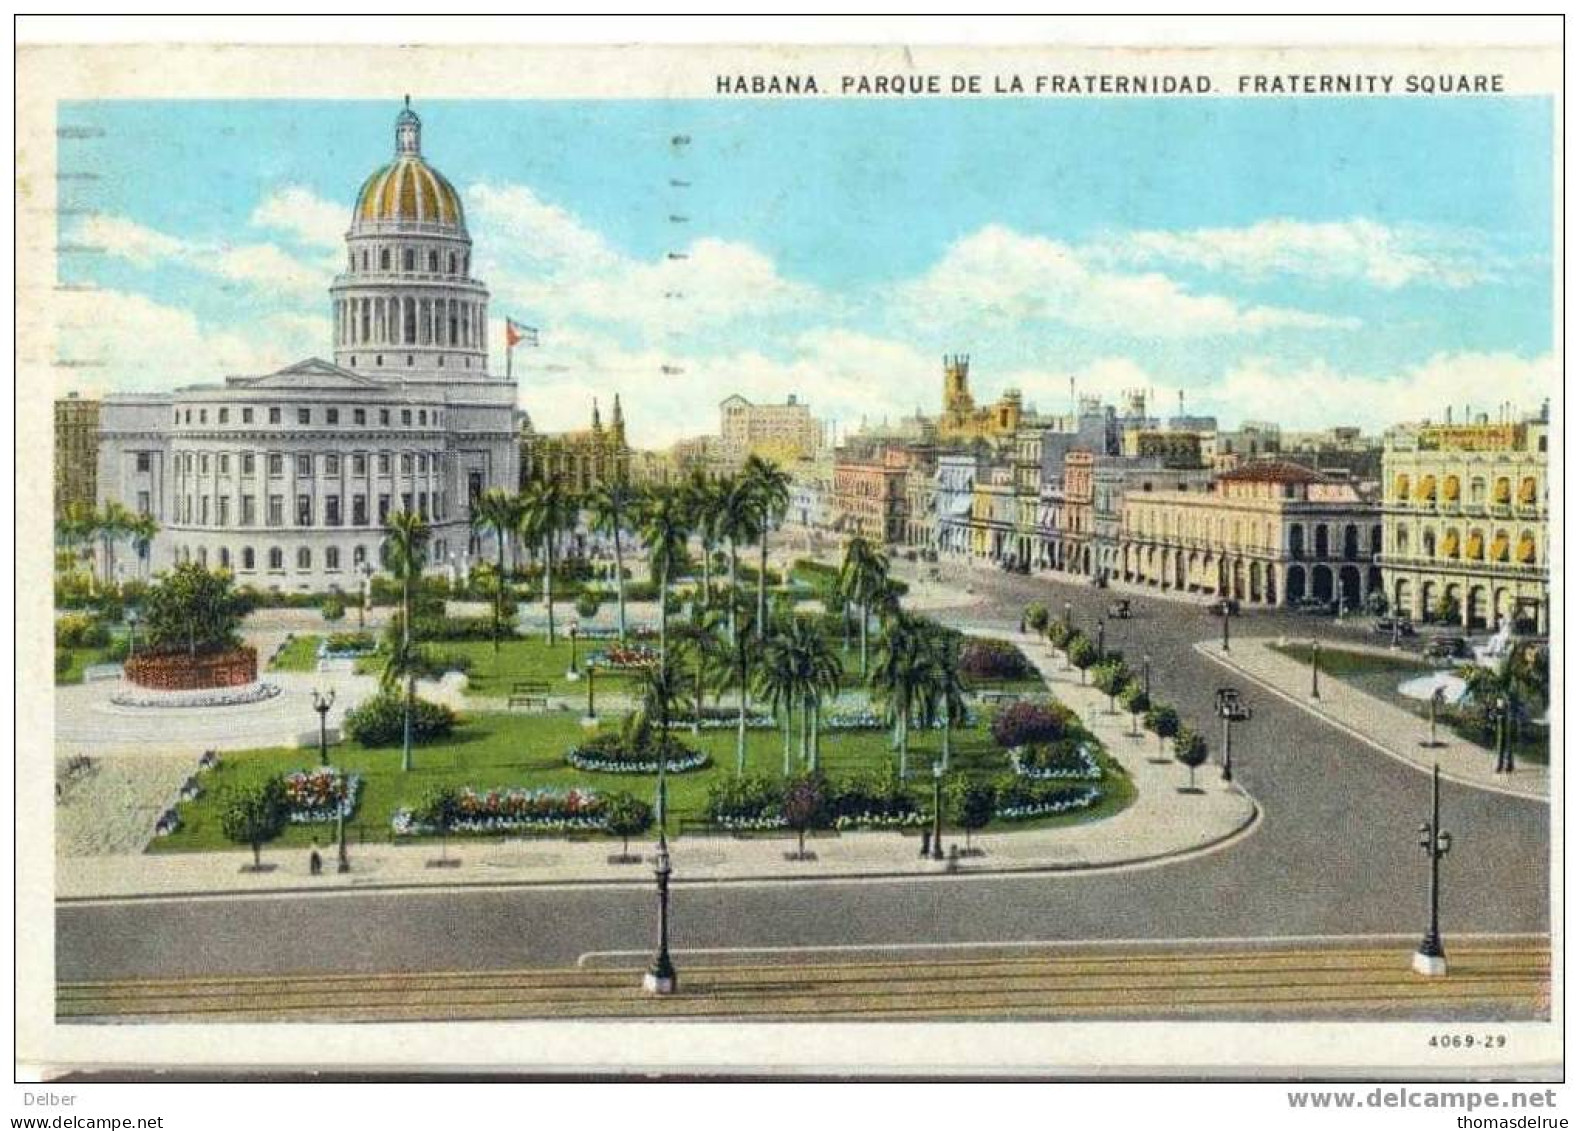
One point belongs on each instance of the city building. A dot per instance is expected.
(777, 432)
(1077, 515)
(286, 478)
(811, 496)
(1269, 532)
(993, 513)
(1113, 477)
(962, 420)
(578, 460)
(76, 452)
(869, 496)
(954, 497)
(1465, 510)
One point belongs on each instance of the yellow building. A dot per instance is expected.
(781, 433)
(1465, 509)
(1268, 532)
(962, 420)
(76, 452)
(578, 460)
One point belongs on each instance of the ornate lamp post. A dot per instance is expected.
(660, 977)
(590, 719)
(321, 704)
(1431, 959)
(1315, 668)
(131, 630)
(1435, 701)
(571, 673)
(1225, 624)
(1069, 615)
(1231, 709)
(937, 810)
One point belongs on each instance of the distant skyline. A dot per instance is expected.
(1312, 262)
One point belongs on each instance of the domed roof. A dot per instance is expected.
(408, 188)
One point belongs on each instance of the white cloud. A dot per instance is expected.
(265, 267)
(118, 341)
(305, 215)
(1003, 277)
(1358, 249)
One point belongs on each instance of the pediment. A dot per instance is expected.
(313, 373)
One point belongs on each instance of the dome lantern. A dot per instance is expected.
(408, 132)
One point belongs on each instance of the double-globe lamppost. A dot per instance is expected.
(1231, 709)
(321, 703)
(1431, 959)
(660, 977)
(937, 810)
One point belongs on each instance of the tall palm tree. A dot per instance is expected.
(664, 529)
(769, 489)
(704, 656)
(142, 529)
(613, 507)
(820, 671)
(945, 689)
(701, 501)
(499, 511)
(744, 652)
(405, 551)
(547, 510)
(662, 688)
(779, 682)
(902, 680)
(112, 523)
(863, 579)
(737, 526)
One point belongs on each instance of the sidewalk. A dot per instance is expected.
(1382, 725)
(1161, 823)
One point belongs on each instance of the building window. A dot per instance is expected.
(405, 501)
(202, 511)
(249, 510)
(422, 462)
(332, 416)
(304, 416)
(405, 416)
(276, 510)
(452, 263)
(224, 416)
(358, 555)
(383, 509)
(331, 559)
(405, 463)
(224, 558)
(358, 465)
(383, 463)
(304, 465)
(144, 503)
(304, 558)
(331, 510)
(274, 416)
(145, 461)
(249, 464)
(331, 465)
(249, 560)
(359, 416)
(422, 416)
(304, 510)
(202, 416)
(246, 416)
(223, 518)
(202, 463)
(408, 259)
(383, 259)
(276, 558)
(422, 504)
(224, 464)
(383, 416)
(358, 510)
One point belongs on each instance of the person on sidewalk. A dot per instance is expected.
(315, 861)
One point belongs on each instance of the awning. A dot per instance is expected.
(1476, 547)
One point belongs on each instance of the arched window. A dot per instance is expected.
(433, 262)
(1477, 491)
(383, 259)
(1526, 553)
(1401, 488)
(304, 558)
(1500, 546)
(1502, 493)
(452, 263)
(1475, 546)
(359, 555)
(364, 259)
(331, 558)
(1428, 542)
(1403, 538)
(408, 259)
(224, 558)
(276, 558)
(1450, 489)
(1527, 491)
(248, 559)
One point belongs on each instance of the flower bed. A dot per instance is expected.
(320, 794)
(1023, 803)
(600, 762)
(182, 671)
(868, 719)
(912, 819)
(627, 659)
(257, 693)
(515, 810)
(1076, 764)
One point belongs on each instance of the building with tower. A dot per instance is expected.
(962, 420)
(580, 460)
(286, 478)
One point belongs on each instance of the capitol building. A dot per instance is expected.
(286, 478)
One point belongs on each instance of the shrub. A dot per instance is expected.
(587, 604)
(970, 804)
(77, 630)
(1019, 799)
(254, 814)
(1036, 616)
(992, 659)
(1064, 758)
(380, 721)
(626, 816)
(879, 793)
(351, 642)
(1058, 633)
(1110, 677)
(1025, 723)
(805, 805)
(753, 798)
(62, 663)
(1189, 749)
(1082, 653)
(333, 607)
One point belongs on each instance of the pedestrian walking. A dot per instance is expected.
(315, 861)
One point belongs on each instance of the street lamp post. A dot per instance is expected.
(1231, 708)
(937, 810)
(1431, 959)
(1101, 639)
(321, 704)
(1504, 735)
(660, 977)
(1225, 624)
(1315, 669)
(571, 673)
(591, 718)
(131, 631)
(1069, 615)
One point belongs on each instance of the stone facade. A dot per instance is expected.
(76, 452)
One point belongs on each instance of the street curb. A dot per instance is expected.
(1205, 648)
(1251, 823)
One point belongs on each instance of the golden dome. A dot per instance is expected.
(408, 189)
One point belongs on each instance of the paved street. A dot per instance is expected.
(1334, 855)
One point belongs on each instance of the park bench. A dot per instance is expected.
(529, 694)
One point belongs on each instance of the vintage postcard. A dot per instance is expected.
(777, 560)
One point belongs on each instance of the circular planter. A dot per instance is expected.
(182, 671)
(594, 763)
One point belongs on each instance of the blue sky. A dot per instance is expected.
(1319, 261)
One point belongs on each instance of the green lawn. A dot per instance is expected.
(300, 654)
(81, 658)
(1335, 662)
(519, 659)
(508, 750)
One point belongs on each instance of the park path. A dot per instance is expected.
(1382, 725)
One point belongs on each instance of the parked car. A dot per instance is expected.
(1224, 606)
(1314, 606)
(1446, 648)
(1120, 609)
(1100, 581)
(1386, 626)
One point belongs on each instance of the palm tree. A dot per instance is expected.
(704, 656)
(661, 689)
(547, 510)
(945, 699)
(613, 505)
(111, 524)
(769, 490)
(701, 504)
(142, 530)
(779, 682)
(736, 524)
(664, 529)
(863, 579)
(404, 551)
(1521, 678)
(821, 671)
(902, 680)
(499, 511)
(743, 653)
